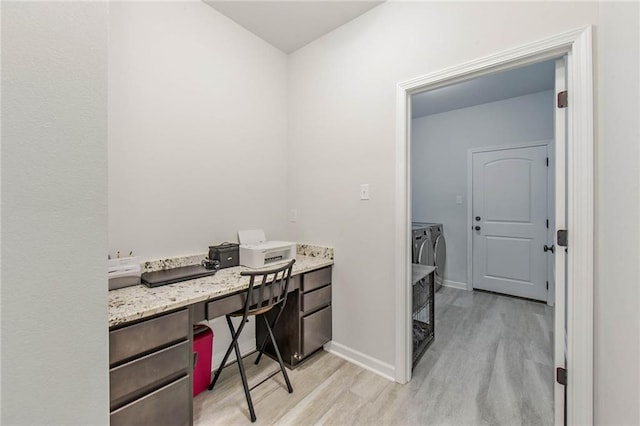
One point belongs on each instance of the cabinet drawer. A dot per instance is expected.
(316, 330)
(316, 279)
(133, 379)
(221, 307)
(169, 405)
(316, 299)
(146, 336)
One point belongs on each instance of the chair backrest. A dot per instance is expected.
(274, 286)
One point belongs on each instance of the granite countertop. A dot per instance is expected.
(132, 303)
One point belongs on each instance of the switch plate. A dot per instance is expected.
(458, 199)
(364, 191)
(293, 215)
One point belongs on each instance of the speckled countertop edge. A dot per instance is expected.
(136, 302)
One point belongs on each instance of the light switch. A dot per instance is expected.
(293, 215)
(458, 199)
(364, 191)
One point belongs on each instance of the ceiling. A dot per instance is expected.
(494, 87)
(289, 25)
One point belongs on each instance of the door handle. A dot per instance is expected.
(552, 249)
(477, 228)
(477, 218)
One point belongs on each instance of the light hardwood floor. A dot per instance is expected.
(490, 364)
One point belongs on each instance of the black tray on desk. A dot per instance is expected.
(175, 275)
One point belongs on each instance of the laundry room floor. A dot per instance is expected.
(491, 363)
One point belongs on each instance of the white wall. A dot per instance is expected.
(617, 287)
(197, 130)
(439, 147)
(197, 135)
(54, 214)
(342, 133)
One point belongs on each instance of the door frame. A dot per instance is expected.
(578, 46)
(550, 211)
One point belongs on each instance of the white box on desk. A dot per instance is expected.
(257, 252)
(123, 272)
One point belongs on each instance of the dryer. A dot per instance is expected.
(437, 256)
(422, 245)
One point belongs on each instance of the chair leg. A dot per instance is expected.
(261, 351)
(247, 393)
(234, 334)
(266, 338)
(275, 346)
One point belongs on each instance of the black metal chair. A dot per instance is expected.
(272, 293)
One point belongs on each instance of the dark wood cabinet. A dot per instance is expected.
(150, 371)
(170, 405)
(305, 325)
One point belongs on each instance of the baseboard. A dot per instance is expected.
(454, 284)
(362, 360)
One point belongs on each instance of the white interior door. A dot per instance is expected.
(509, 190)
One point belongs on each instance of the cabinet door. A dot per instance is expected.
(316, 279)
(138, 377)
(316, 299)
(316, 330)
(170, 405)
(131, 341)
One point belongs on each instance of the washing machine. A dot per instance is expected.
(422, 245)
(431, 249)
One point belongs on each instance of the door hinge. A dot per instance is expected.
(563, 99)
(547, 285)
(561, 376)
(547, 223)
(562, 237)
(547, 161)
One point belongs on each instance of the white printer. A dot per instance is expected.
(257, 252)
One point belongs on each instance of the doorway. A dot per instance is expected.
(473, 174)
(577, 46)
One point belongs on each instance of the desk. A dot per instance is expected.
(137, 302)
(151, 333)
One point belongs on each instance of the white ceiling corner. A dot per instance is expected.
(289, 25)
